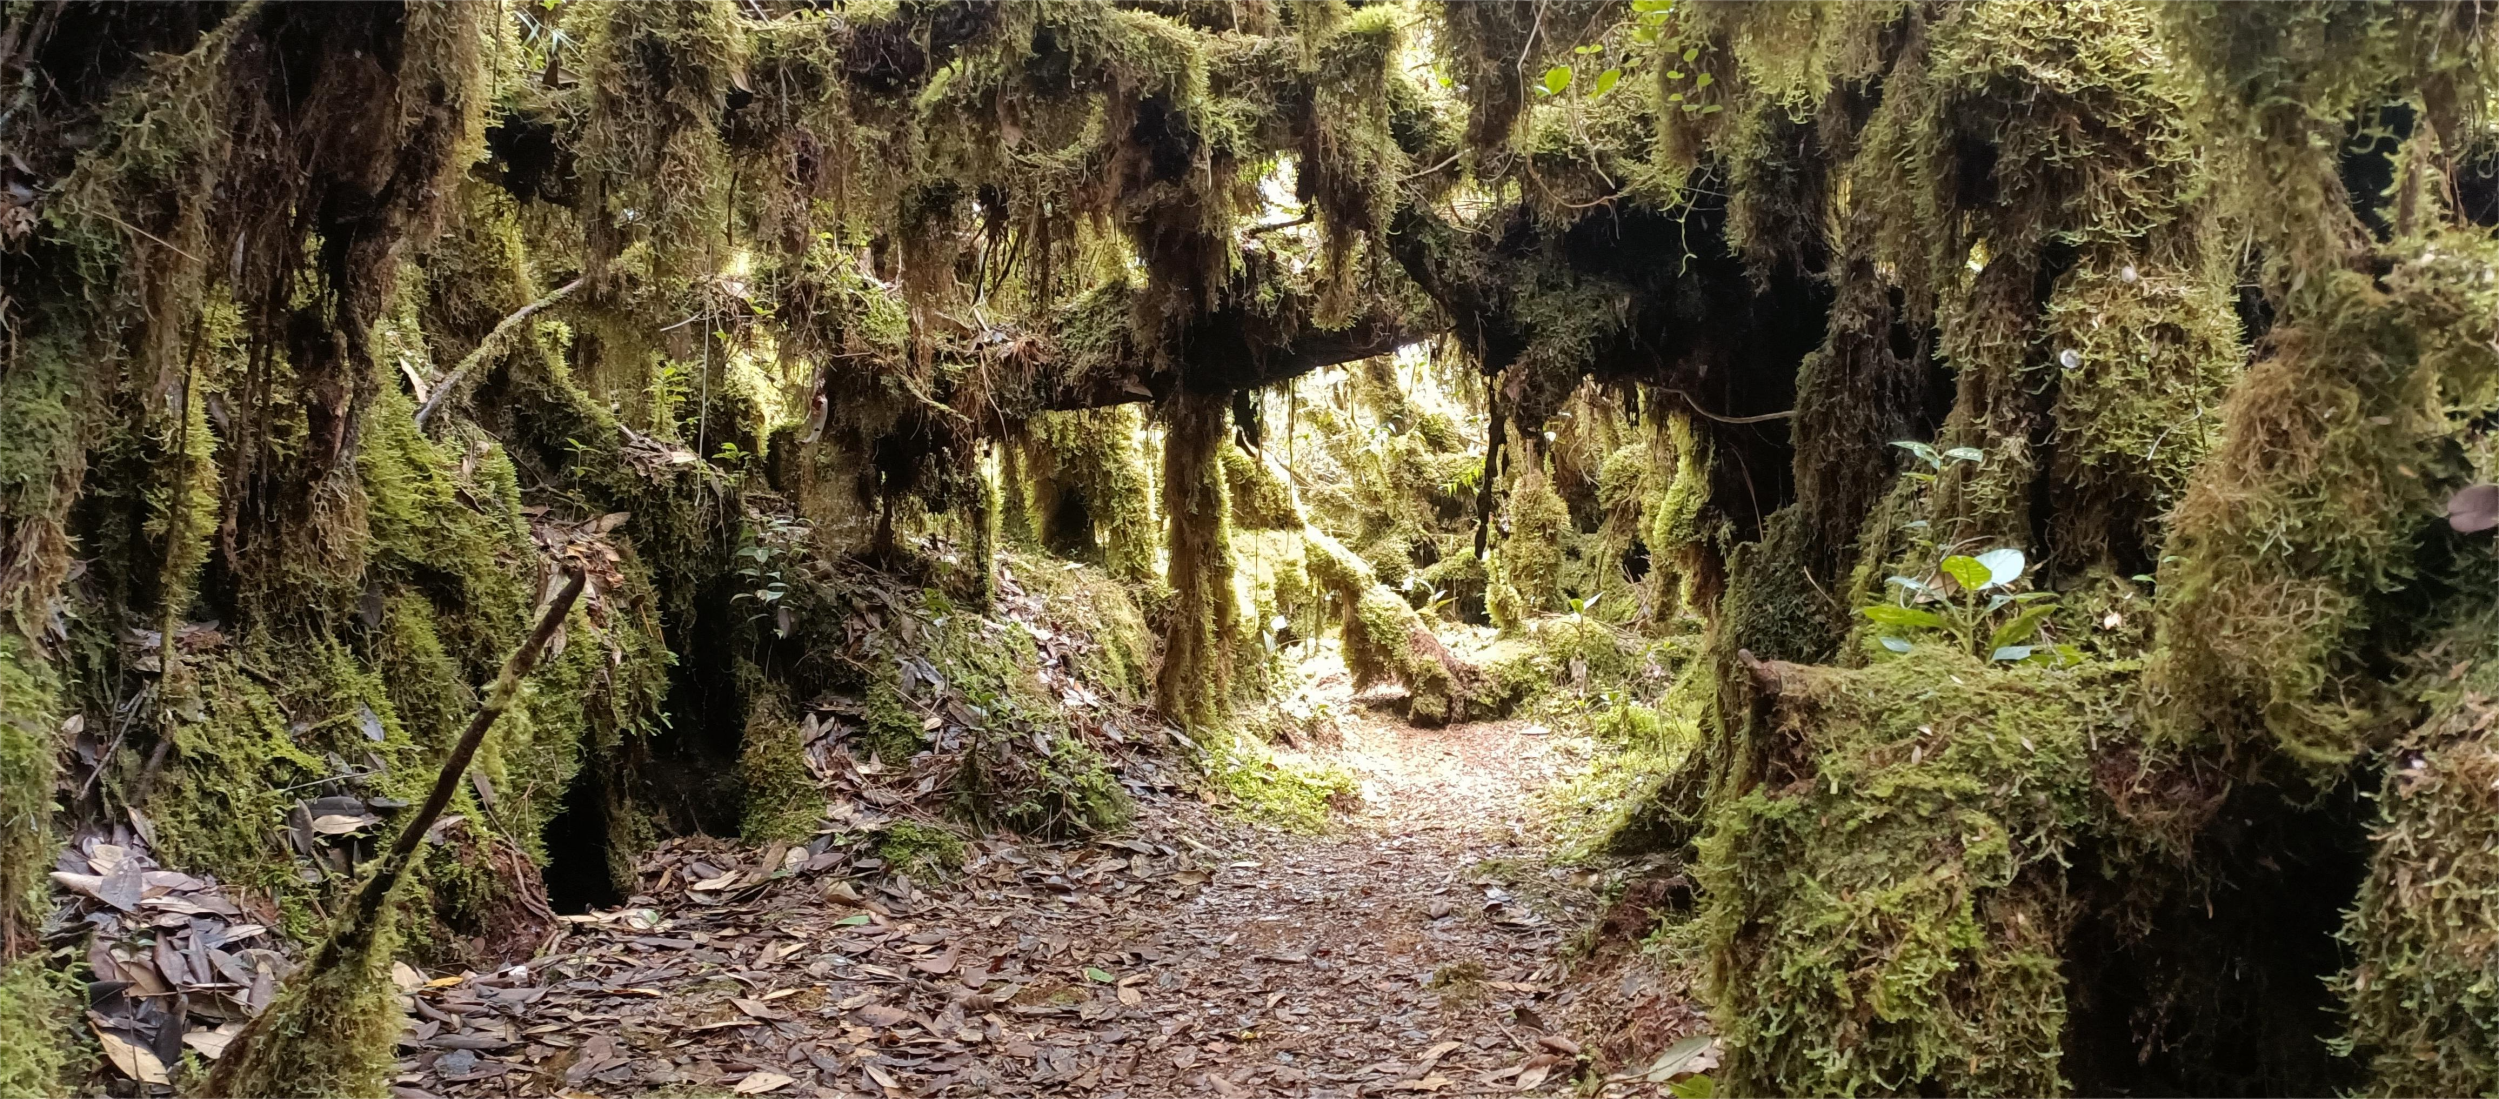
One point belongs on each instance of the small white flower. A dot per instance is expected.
(2069, 359)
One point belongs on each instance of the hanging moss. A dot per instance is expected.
(1884, 905)
(1088, 493)
(2152, 349)
(1260, 499)
(660, 75)
(1527, 570)
(1672, 519)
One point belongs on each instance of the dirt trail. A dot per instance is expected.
(1413, 949)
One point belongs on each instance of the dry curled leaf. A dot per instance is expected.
(2474, 508)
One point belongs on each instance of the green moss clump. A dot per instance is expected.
(1118, 655)
(1085, 489)
(894, 734)
(912, 847)
(2292, 550)
(2422, 992)
(2153, 347)
(1385, 640)
(34, 1042)
(29, 751)
(1061, 789)
(782, 801)
(1884, 906)
(1261, 785)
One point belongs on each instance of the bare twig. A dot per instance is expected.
(485, 347)
(1765, 417)
(1275, 225)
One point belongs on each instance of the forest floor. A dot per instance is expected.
(1425, 943)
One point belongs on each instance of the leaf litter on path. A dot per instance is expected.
(1199, 956)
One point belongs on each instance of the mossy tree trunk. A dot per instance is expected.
(1195, 679)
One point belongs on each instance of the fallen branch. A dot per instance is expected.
(485, 347)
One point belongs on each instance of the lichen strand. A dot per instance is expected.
(1885, 905)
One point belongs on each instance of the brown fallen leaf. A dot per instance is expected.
(879, 1015)
(1558, 1044)
(1433, 1055)
(758, 1008)
(134, 1060)
(2474, 508)
(1433, 1082)
(1533, 1075)
(880, 1077)
(757, 1083)
(212, 1043)
(940, 965)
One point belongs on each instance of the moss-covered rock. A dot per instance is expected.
(782, 801)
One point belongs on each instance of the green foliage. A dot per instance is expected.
(1970, 603)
